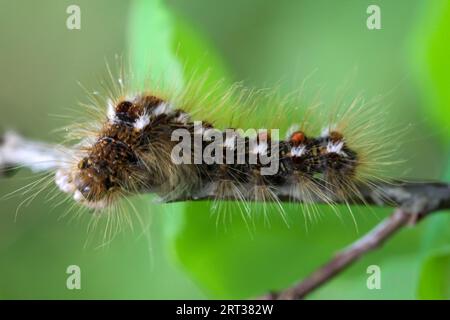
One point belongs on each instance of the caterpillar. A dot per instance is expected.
(130, 145)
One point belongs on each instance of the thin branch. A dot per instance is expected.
(17, 152)
(413, 197)
(413, 201)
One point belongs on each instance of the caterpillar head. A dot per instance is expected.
(105, 170)
(110, 164)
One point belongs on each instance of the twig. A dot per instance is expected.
(17, 152)
(413, 197)
(413, 201)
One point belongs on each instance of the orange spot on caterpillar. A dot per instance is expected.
(297, 138)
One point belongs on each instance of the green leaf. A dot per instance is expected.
(433, 65)
(165, 48)
(197, 55)
(433, 69)
(434, 280)
(435, 276)
(234, 259)
(150, 38)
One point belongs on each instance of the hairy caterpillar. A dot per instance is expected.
(127, 147)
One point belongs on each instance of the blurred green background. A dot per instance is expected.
(264, 43)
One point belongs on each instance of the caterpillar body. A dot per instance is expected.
(130, 150)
